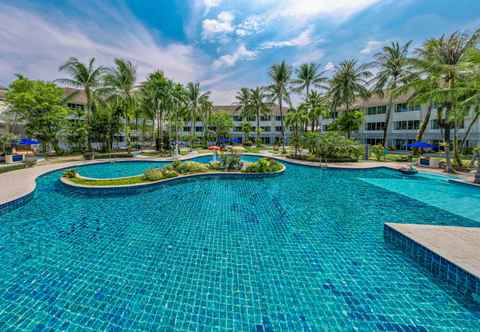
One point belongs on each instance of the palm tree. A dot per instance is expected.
(349, 83)
(194, 96)
(308, 75)
(119, 85)
(260, 107)
(295, 119)
(316, 107)
(394, 68)
(449, 55)
(280, 75)
(179, 109)
(206, 108)
(85, 76)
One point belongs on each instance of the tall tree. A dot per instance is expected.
(394, 67)
(308, 75)
(87, 77)
(194, 96)
(260, 106)
(316, 107)
(206, 109)
(449, 55)
(280, 75)
(295, 119)
(349, 83)
(120, 85)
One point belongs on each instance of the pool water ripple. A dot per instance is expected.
(302, 251)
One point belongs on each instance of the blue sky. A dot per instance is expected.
(224, 44)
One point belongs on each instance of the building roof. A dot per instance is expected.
(77, 96)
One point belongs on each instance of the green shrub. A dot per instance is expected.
(189, 167)
(215, 165)
(378, 152)
(30, 163)
(264, 165)
(70, 173)
(231, 161)
(156, 174)
(332, 146)
(5, 169)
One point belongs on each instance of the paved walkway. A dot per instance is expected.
(459, 245)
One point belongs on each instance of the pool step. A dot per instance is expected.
(450, 253)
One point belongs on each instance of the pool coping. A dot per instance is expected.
(448, 252)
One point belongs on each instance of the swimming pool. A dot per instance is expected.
(116, 169)
(301, 251)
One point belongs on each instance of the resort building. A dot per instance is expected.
(405, 122)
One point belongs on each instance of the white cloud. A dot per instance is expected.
(229, 60)
(329, 66)
(209, 4)
(221, 25)
(306, 9)
(309, 56)
(372, 46)
(252, 24)
(304, 39)
(37, 45)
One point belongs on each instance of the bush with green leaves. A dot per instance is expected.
(188, 167)
(378, 152)
(70, 173)
(156, 174)
(264, 165)
(215, 165)
(333, 146)
(231, 161)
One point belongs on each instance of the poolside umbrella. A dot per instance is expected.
(421, 145)
(214, 148)
(26, 141)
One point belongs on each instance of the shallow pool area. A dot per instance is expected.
(303, 251)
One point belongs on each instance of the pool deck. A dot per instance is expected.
(458, 245)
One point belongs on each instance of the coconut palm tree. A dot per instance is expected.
(394, 67)
(120, 84)
(296, 119)
(206, 108)
(87, 77)
(260, 106)
(194, 96)
(308, 75)
(280, 75)
(349, 83)
(448, 58)
(316, 107)
(179, 109)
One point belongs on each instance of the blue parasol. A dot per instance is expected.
(421, 145)
(26, 141)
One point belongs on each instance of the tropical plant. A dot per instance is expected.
(295, 119)
(394, 68)
(349, 83)
(280, 75)
(119, 85)
(222, 124)
(260, 107)
(308, 75)
(194, 97)
(378, 152)
(263, 165)
(348, 122)
(206, 109)
(87, 77)
(40, 106)
(332, 146)
(316, 107)
(246, 130)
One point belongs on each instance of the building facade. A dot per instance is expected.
(405, 122)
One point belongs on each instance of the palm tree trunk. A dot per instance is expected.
(281, 124)
(469, 129)
(423, 126)
(387, 121)
(258, 127)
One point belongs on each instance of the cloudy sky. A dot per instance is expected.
(224, 44)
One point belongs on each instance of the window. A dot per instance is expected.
(407, 108)
(278, 129)
(374, 141)
(186, 128)
(198, 129)
(374, 126)
(265, 118)
(278, 118)
(251, 118)
(237, 129)
(376, 110)
(434, 124)
(406, 125)
(267, 129)
(75, 106)
(237, 118)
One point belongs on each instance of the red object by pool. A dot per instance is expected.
(214, 148)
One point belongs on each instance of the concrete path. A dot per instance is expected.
(459, 245)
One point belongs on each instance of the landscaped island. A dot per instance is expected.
(227, 164)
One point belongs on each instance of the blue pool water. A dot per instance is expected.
(302, 251)
(132, 168)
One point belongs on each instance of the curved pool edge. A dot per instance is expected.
(92, 189)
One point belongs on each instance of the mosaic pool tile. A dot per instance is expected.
(299, 252)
